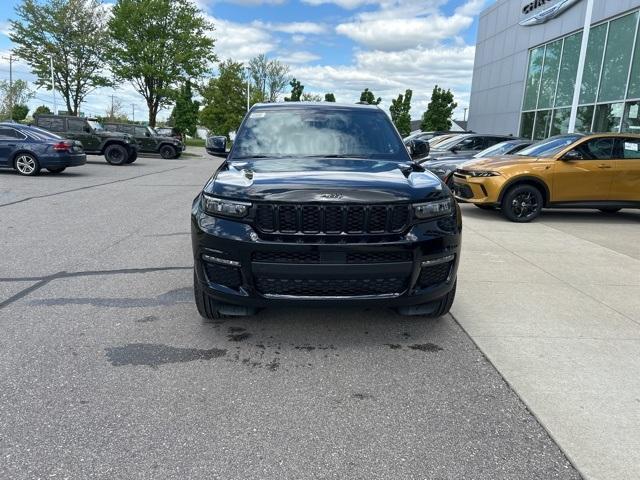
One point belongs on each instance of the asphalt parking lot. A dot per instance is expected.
(107, 371)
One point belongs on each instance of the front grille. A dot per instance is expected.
(287, 257)
(434, 274)
(379, 257)
(330, 287)
(223, 275)
(332, 219)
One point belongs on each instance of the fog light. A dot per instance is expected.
(220, 261)
(437, 261)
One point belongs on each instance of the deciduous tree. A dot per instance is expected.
(71, 32)
(368, 97)
(12, 95)
(310, 97)
(439, 111)
(224, 99)
(329, 97)
(185, 112)
(42, 109)
(400, 112)
(296, 91)
(156, 45)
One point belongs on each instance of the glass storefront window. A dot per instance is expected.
(608, 117)
(568, 70)
(542, 123)
(526, 124)
(549, 74)
(560, 122)
(617, 59)
(593, 62)
(534, 71)
(634, 80)
(584, 117)
(631, 119)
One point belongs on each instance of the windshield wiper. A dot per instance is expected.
(335, 155)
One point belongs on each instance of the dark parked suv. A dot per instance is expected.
(321, 204)
(148, 140)
(117, 148)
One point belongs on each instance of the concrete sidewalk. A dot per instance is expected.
(555, 306)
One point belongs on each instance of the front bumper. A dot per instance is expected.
(243, 269)
(481, 190)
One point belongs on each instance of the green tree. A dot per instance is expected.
(310, 97)
(296, 91)
(71, 32)
(368, 97)
(277, 79)
(156, 45)
(439, 111)
(42, 109)
(19, 112)
(400, 112)
(329, 97)
(224, 99)
(268, 77)
(12, 95)
(185, 112)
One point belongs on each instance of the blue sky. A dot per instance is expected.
(339, 46)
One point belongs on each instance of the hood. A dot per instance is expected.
(165, 138)
(324, 180)
(497, 162)
(112, 134)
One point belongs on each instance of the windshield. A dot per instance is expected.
(439, 139)
(152, 131)
(549, 147)
(498, 149)
(318, 133)
(450, 142)
(95, 125)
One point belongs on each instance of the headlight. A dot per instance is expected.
(433, 209)
(226, 208)
(482, 173)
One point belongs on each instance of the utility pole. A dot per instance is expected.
(11, 86)
(111, 113)
(133, 113)
(464, 118)
(53, 87)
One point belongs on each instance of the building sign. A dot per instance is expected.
(540, 13)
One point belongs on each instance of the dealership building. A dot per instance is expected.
(530, 55)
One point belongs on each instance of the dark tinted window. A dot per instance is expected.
(471, 143)
(308, 132)
(493, 140)
(140, 131)
(8, 133)
(55, 124)
(597, 149)
(631, 148)
(549, 147)
(75, 125)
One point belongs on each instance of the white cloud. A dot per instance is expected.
(298, 57)
(347, 4)
(307, 28)
(403, 33)
(241, 41)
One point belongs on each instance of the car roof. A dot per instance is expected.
(313, 106)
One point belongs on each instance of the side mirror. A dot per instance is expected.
(418, 149)
(217, 146)
(147, 134)
(572, 155)
(87, 128)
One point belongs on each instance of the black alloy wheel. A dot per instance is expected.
(167, 151)
(522, 203)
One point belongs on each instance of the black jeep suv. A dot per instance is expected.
(117, 148)
(321, 204)
(149, 140)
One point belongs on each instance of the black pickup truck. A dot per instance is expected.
(322, 204)
(117, 148)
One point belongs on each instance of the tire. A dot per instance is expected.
(434, 309)
(482, 206)
(132, 158)
(522, 203)
(56, 169)
(27, 165)
(610, 209)
(207, 307)
(167, 152)
(116, 154)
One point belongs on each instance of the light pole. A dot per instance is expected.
(248, 89)
(53, 87)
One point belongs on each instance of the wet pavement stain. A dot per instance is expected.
(426, 347)
(147, 319)
(393, 346)
(238, 337)
(273, 365)
(153, 355)
(172, 297)
(236, 329)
